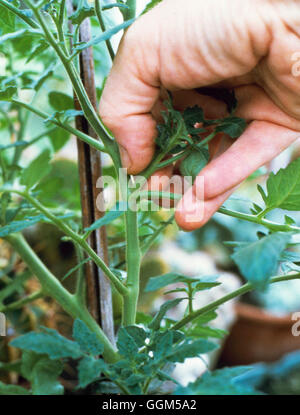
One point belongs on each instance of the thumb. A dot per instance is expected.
(127, 101)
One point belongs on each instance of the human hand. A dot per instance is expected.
(183, 45)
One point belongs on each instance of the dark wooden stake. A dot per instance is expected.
(99, 296)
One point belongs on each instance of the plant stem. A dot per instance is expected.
(78, 87)
(53, 288)
(133, 258)
(76, 238)
(19, 13)
(240, 291)
(23, 301)
(273, 226)
(98, 12)
(80, 291)
(84, 137)
(131, 11)
(145, 248)
(190, 293)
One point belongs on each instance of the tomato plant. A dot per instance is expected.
(40, 44)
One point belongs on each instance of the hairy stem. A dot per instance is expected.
(84, 137)
(53, 288)
(98, 12)
(273, 226)
(75, 237)
(133, 258)
(240, 291)
(19, 13)
(78, 87)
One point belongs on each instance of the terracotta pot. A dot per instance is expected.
(258, 336)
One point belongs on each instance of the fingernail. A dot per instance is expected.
(190, 212)
(126, 162)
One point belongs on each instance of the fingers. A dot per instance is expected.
(127, 101)
(177, 45)
(260, 143)
(192, 213)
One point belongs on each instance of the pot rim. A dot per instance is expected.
(261, 316)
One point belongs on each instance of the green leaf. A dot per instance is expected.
(60, 101)
(49, 342)
(206, 283)
(162, 344)
(112, 5)
(19, 225)
(86, 339)
(192, 116)
(44, 377)
(156, 283)
(19, 34)
(150, 5)
(288, 220)
(39, 48)
(12, 390)
(59, 138)
(232, 126)
(7, 18)
(138, 334)
(76, 268)
(62, 116)
(7, 93)
(258, 261)
(283, 188)
(194, 163)
(126, 343)
(81, 14)
(104, 36)
(206, 332)
(173, 134)
(190, 349)
(219, 382)
(39, 82)
(36, 170)
(155, 323)
(89, 370)
(110, 216)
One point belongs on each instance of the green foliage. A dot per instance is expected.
(89, 370)
(104, 36)
(44, 375)
(48, 342)
(17, 226)
(180, 132)
(219, 382)
(7, 93)
(283, 188)
(12, 390)
(194, 163)
(60, 101)
(147, 352)
(150, 5)
(7, 18)
(36, 170)
(232, 126)
(81, 14)
(258, 261)
(110, 216)
(87, 340)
